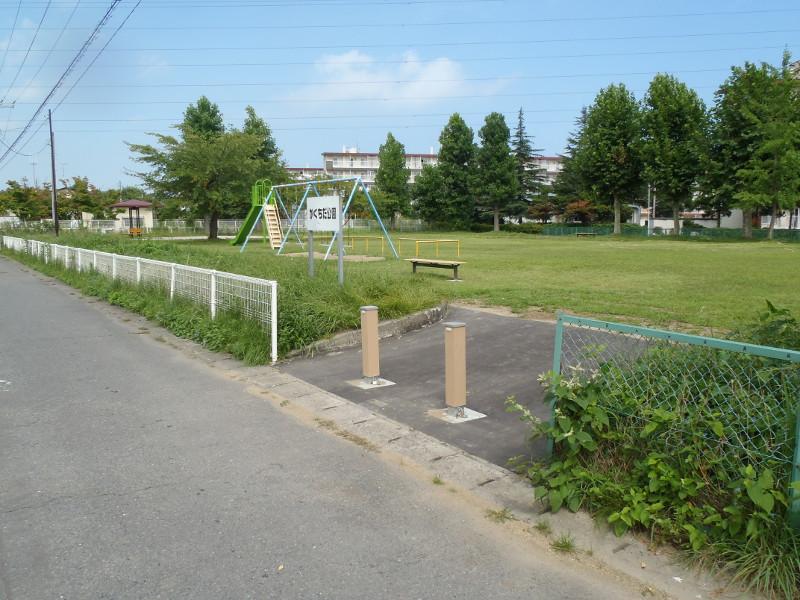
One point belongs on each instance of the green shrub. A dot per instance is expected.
(529, 228)
(689, 443)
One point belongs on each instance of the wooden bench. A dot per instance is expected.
(585, 234)
(435, 263)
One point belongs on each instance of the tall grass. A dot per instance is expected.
(308, 309)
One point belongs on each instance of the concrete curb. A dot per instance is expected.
(348, 339)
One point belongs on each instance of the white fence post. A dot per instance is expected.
(113, 267)
(138, 270)
(94, 259)
(80, 260)
(273, 320)
(213, 294)
(172, 282)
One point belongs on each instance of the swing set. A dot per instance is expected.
(269, 204)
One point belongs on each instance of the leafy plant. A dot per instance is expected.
(691, 444)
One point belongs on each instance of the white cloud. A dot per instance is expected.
(354, 75)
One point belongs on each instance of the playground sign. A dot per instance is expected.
(322, 213)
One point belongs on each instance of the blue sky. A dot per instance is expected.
(330, 73)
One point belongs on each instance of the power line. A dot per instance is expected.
(100, 52)
(293, 4)
(27, 52)
(449, 44)
(392, 81)
(11, 37)
(49, 54)
(319, 117)
(422, 61)
(338, 128)
(89, 66)
(405, 25)
(61, 79)
(52, 48)
(351, 100)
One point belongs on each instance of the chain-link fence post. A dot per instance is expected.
(172, 282)
(557, 344)
(794, 493)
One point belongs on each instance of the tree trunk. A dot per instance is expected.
(719, 219)
(747, 223)
(497, 219)
(617, 217)
(676, 220)
(213, 226)
(772, 219)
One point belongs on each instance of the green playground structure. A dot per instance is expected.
(259, 197)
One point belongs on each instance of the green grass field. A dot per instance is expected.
(663, 282)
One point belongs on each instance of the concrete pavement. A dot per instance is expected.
(504, 357)
(129, 470)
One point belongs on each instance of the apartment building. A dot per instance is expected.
(350, 163)
(549, 166)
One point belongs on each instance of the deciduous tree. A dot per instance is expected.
(208, 173)
(203, 118)
(771, 176)
(607, 153)
(675, 132)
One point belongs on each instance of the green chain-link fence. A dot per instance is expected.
(750, 394)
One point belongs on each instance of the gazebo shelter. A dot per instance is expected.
(134, 220)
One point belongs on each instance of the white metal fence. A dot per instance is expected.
(252, 298)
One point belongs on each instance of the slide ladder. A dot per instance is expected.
(273, 223)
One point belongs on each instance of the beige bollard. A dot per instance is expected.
(370, 354)
(455, 366)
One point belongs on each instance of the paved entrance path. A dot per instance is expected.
(504, 357)
(128, 470)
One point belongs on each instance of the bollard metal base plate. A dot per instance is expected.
(366, 383)
(456, 415)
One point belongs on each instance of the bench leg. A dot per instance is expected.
(413, 267)
(455, 272)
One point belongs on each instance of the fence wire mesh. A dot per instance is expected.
(738, 402)
(252, 298)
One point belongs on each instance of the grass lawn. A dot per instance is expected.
(714, 285)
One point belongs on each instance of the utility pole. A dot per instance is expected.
(35, 181)
(54, 202)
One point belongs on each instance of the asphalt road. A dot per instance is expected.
(128, 470)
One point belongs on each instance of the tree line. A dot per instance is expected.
(76, 196)
(743, 152)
